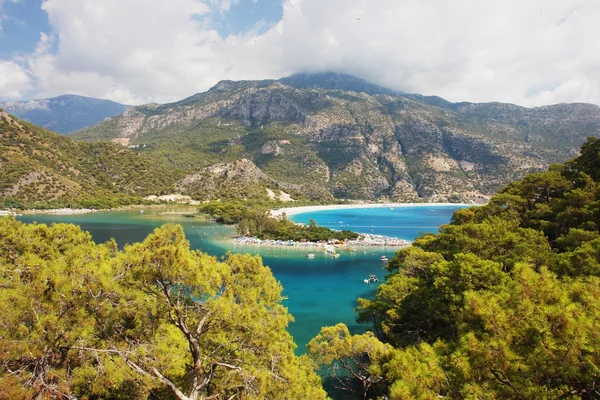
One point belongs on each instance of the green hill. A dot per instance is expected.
(41, 169)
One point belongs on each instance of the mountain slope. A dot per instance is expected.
(64, 114)
(39, 167)
(304, 131)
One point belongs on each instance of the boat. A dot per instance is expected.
(330, 249)
(336, 255)
(371, 279)
(310, 255)
(384, 259)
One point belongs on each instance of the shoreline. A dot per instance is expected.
(51, 211)
(181, 209)
(289, 211)
(363, 241)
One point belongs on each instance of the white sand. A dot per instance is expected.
(299, 210)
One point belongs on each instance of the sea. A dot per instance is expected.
(321, 291)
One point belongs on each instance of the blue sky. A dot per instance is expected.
(139, 51)
(23, 22)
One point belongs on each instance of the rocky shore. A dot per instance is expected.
(362, 241)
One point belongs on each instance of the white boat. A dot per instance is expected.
(371, 279)
(384, 258)
(330, 249)
(310, 255)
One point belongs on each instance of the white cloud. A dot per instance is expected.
(14, 81)
(224, 5)
(530, 53)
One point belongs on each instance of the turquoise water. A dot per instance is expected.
(401, 222)
(322, 291)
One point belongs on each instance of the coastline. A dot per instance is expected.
(288, 211)
(180, 209)
(60, 211)
(362, 242)
(53, 211)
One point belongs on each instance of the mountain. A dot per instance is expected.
(41, 168)
(353, 139)
(333, 81)
(64, 114)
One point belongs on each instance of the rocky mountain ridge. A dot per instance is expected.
(306, 131)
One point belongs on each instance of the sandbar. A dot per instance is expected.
(305, 209)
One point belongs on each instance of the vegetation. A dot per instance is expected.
(326, 134)
(502, 303)
(42, 169)
(265, 226)
(254, 219)
(155, 320)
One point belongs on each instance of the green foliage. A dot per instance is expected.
(264, 226)
(254, 219)
(154, 320)
(502, 303)
(350, 357)
(42, 169)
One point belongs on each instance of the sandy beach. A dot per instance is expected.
(299, 210)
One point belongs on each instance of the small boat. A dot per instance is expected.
(336, 255)
(310, 255)
(384, 259)
(372, 279)
(141, 211)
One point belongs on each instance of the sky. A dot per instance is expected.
(531, 53)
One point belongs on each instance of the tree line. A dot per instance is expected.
(256, 220)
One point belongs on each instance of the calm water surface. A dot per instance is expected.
(322, 291)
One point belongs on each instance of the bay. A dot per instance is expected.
(321, 291)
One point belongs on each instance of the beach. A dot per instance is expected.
(305, 209)
(362, 241)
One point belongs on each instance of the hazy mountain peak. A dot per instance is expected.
(66, 113)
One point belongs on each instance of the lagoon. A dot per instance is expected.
(321, 291)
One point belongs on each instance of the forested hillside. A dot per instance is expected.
(503, 303)
(39, 168)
